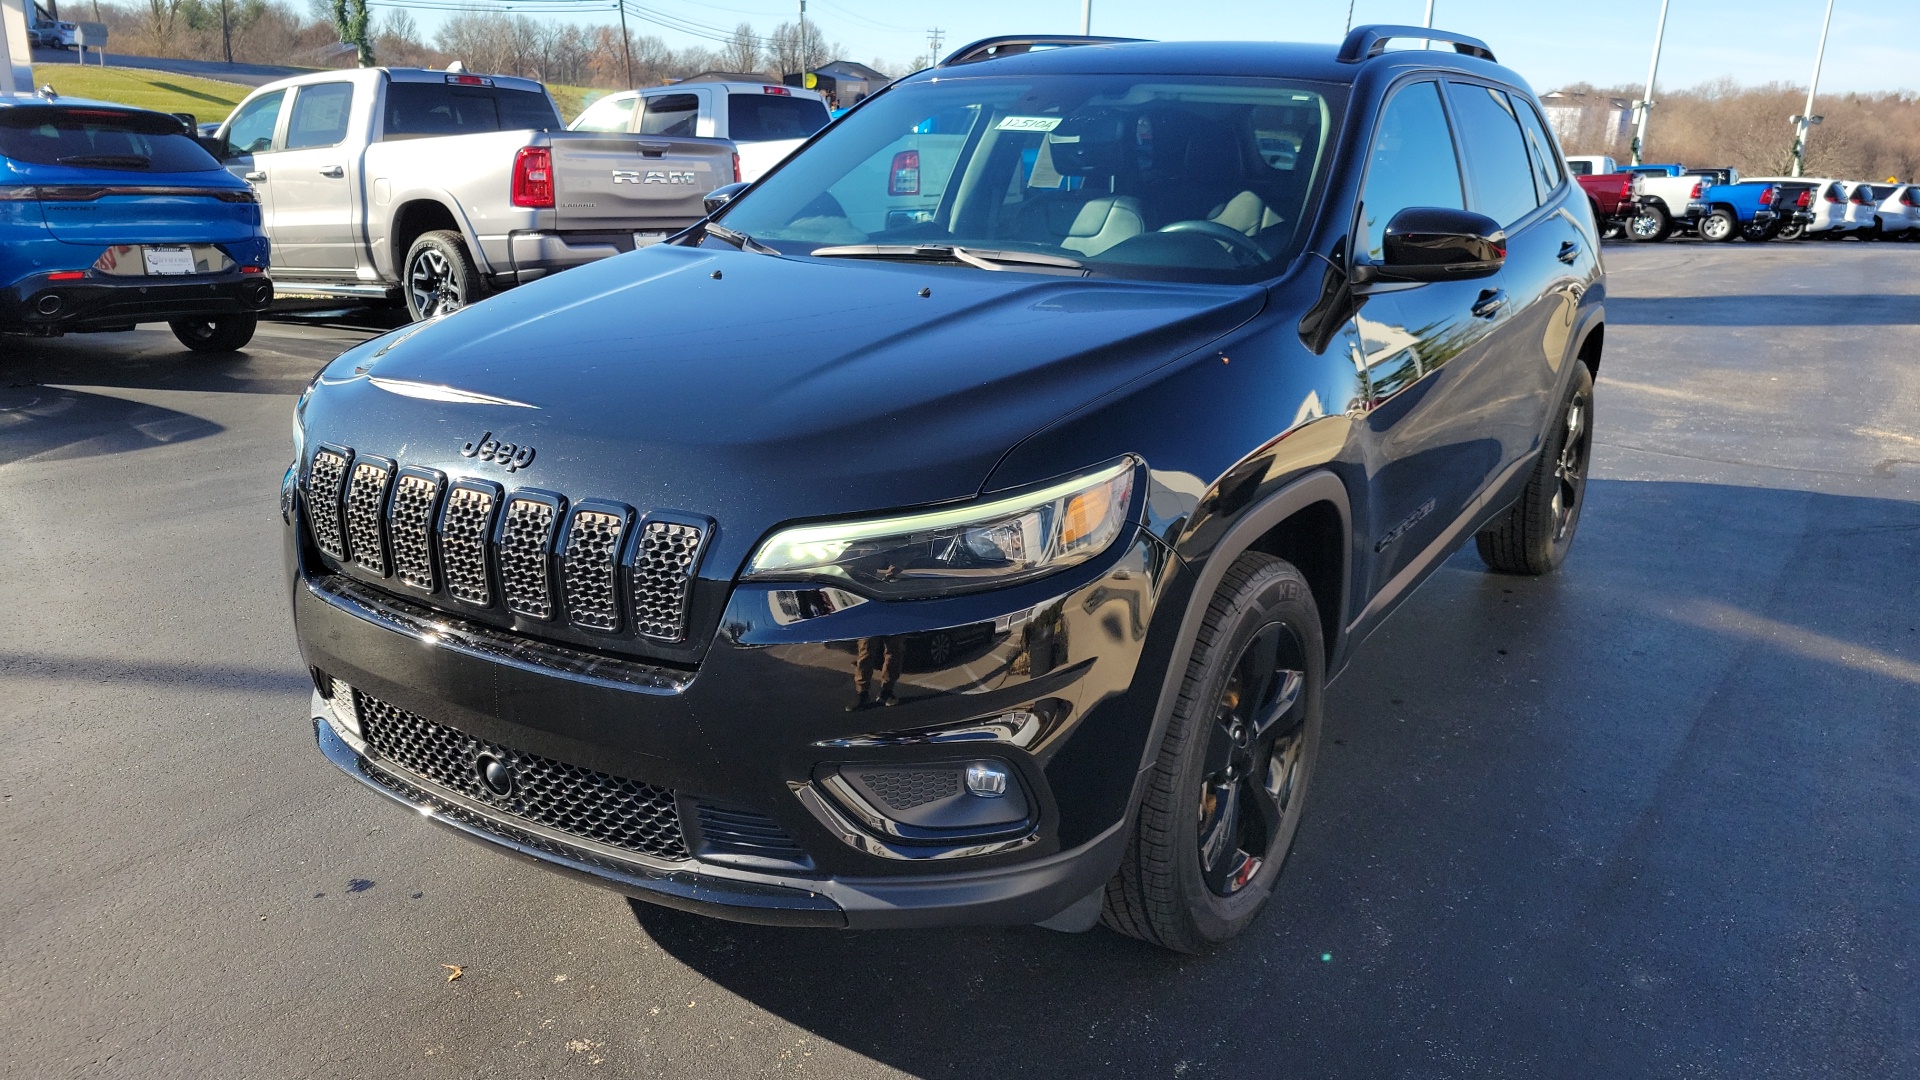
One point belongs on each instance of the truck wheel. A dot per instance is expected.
(1719, 227)
(439, 277)
(1795, 231)
(1533, 537)
(227, 333)
(1754, 232)
(1223, 800)
(1651, 225)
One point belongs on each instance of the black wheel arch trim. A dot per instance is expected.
(1256, 521)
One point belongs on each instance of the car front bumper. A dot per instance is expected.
(764, 726)
(36, 304)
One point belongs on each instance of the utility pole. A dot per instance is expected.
(1645, 104)
(1086, 18)
(226, 33)
(806, 54)
(934, 37)
(1806, 119)
(626, 47)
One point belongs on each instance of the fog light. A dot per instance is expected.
(987, 779)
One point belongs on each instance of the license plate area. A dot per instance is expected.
(162, 260)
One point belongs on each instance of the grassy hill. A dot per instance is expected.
(159, 90)
(206, 99)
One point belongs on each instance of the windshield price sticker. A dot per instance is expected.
(168, 260)
(1029, 123)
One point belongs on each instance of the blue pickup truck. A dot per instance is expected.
(111, 217)
(1749, 209)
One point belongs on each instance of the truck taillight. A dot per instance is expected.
(1626, 186)
(1766, 197)
(1805, 200)
(904, 177)
(1699, 189)
(533, 178)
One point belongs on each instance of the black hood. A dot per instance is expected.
(758, 389)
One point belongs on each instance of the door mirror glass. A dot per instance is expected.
(1434, 243)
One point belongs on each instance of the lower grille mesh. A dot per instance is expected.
(594, 806)
(906, 790)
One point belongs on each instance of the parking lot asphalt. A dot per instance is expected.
(1657, 815)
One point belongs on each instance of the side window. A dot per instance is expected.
(1499, 174)
(608, 114)
(319, 115)
(251, 131)
(1411, 162)
(671, 114)
(1546, 156)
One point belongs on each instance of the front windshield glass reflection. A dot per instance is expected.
(1181, 177)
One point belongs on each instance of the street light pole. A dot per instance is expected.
(1645, 104)
(1806, 119)
(1086, 18)
(1428, 24)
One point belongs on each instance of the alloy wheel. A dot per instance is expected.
(1250, 791)
(434, 289)
(1715, 227)
(1570, 471)
(1644, 226)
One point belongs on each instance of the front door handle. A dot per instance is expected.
(334, 171)
(1490, 303)
(256, 176)
(1569, 251)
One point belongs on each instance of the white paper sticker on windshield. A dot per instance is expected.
(1029, 123)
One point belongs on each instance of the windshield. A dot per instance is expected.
(100, 139)
(1171, 177)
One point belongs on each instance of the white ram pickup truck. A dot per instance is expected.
(1665, 192)
(443, 186)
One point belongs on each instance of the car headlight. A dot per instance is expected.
(983, 545)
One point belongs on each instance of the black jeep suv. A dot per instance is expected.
(962, 524)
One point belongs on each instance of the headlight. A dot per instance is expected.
(960, 549)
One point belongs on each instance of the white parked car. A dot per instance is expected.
(1829, 203)
(1899, 211)
(1863, 205)
(764, 121)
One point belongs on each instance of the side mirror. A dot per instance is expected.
(723, 195)
(1430, 243)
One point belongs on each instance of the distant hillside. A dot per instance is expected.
(158, 90)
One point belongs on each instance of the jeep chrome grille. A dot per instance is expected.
(662, 575)
(526, 553)
(592, 569)
(366, 504)
(323, 502)
(464, 526)
(410, 528)
(525, 539)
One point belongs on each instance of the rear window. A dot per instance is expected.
(766, 117)
(100, 139)
(417, 109)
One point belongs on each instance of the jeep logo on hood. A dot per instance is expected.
(488, 448)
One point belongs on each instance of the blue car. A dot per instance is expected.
(111, 217)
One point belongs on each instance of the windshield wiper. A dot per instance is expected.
(739, 239)
(139, 161)
(983, 258)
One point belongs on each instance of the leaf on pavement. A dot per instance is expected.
(454, 971)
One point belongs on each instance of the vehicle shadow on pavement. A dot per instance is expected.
(1785, 309)
(1658, 807)
(51, 423)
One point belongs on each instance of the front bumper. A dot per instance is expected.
(764, 725)
(36, 304)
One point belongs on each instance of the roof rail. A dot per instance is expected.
(1367, 42)
(1014, 44)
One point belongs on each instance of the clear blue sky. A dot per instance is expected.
(1875, 43)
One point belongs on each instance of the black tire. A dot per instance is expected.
(224, 334)
(1753, 232)
(439, 277)
(1651, 225)
(1795, 231)
(1719, 227)
(1533, 537)
(1241, 759)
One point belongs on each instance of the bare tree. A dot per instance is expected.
(742, 50)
